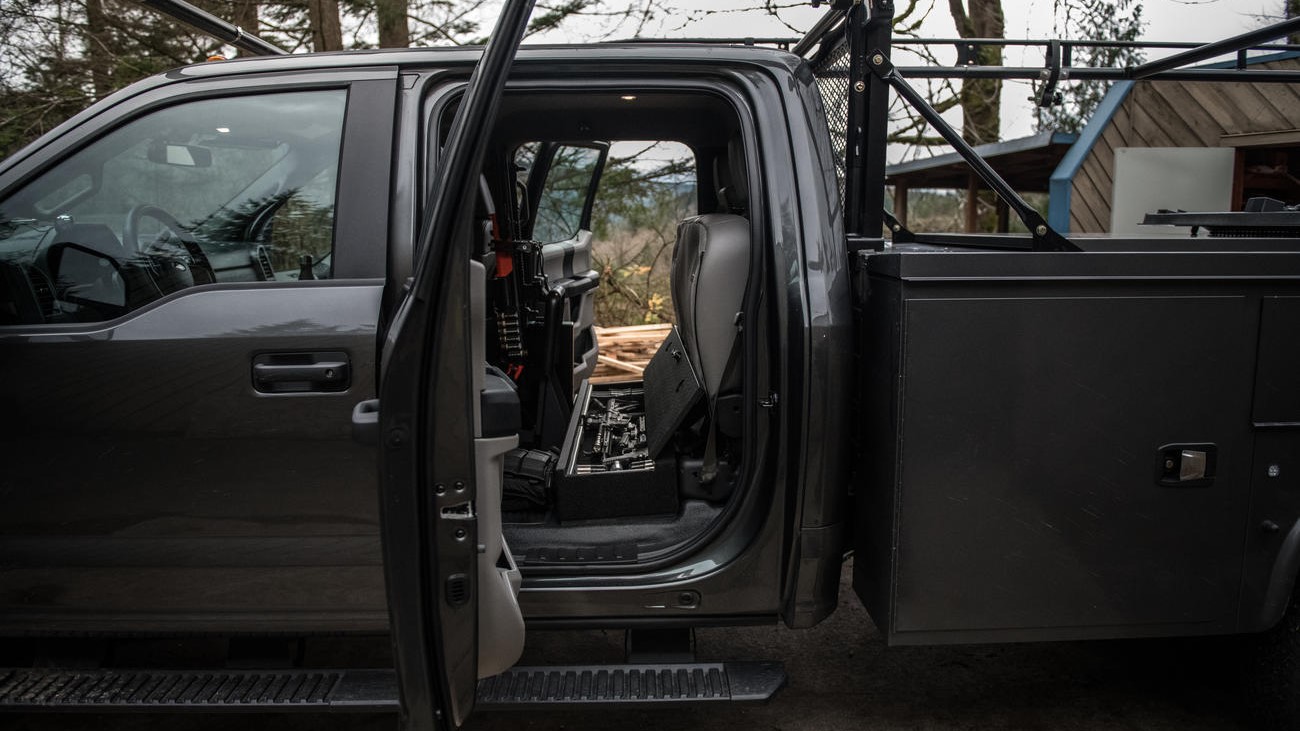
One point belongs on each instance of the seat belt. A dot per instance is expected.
(709, 470)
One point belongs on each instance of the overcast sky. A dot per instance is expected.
(1194, 20)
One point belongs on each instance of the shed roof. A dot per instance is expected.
(1026, 163)
(1172, 114)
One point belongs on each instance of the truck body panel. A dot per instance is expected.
(1051, 520)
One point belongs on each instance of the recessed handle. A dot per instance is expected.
(300, 372)
(1187, 465)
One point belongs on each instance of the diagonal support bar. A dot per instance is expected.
(205, 22)
(1045, 238)
(1217, 48)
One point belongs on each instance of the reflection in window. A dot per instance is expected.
(216, 190)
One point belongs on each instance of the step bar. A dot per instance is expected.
(371, 691)
(552, 686)
(42, 689)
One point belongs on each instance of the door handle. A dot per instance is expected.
(1187, 465)
(365, 422)
(302, 372)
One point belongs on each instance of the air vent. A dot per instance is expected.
(262, 264)
(43, 289)
(457, 589)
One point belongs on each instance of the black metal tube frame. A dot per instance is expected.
(1045, 238)
(1217, 48)
(1077, 73)
(205, 22)
(864, 200)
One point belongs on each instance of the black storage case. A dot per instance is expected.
(586, 488)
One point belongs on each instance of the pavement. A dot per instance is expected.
(841, 677)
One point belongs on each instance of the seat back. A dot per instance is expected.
(710, 270)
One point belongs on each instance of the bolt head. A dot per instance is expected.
(1274, 470)
(860, 87)
(1041, 230)
(396, 438)
(878, 59)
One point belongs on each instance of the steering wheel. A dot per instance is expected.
(199, 264)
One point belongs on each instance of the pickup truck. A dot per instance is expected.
(230, 291)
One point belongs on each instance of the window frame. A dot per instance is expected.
(361, 211)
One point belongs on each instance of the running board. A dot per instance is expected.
(559, 686)
(41, 689)
(321, 691)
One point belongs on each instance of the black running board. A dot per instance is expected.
(326, 691)
(39, 689)
(559, 686)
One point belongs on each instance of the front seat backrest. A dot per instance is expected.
(710, 269)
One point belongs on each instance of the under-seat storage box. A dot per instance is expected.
(604, 469)
(619, 457)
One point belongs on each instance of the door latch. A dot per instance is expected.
(1187, 465)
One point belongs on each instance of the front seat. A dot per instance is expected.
(709, 272)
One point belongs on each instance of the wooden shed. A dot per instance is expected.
(1260, 122)
(1025, 164)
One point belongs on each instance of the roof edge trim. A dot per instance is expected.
(1061, 183)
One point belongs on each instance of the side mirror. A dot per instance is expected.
(187, 156)
(88, 278)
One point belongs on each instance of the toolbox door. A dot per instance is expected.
(1054, 460)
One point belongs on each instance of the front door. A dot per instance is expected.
(189, 285)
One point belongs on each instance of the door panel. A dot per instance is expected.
(430, 424)
(155, 479)
(562, 186)
(150, 487)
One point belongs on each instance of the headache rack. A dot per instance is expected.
(849, 50)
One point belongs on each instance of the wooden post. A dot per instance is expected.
(900, 202)
(1004, 216)
(972, 204)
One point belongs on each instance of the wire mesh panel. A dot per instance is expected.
(832, 71)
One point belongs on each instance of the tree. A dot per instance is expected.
(394, 30)
(1100, 20)
(981, 99)
(643, 195)
(61, 55)
(326, 27)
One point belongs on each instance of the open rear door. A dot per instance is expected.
(439, 515)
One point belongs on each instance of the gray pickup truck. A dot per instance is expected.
(229, 291)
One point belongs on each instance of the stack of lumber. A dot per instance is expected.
(625, 351)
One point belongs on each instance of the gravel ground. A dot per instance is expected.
(842, 677)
